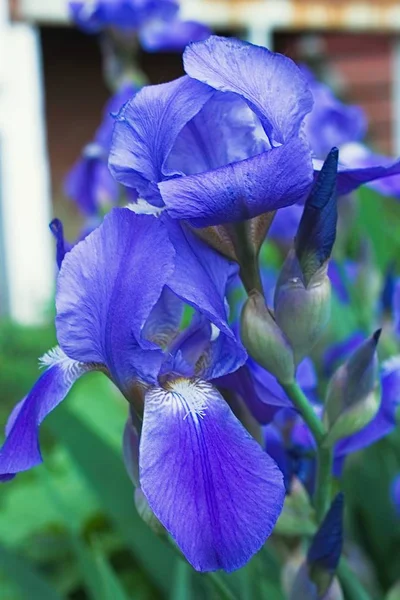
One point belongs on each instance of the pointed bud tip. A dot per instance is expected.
(377, 335)
(334, 154)
(55, 226)
(326, 546)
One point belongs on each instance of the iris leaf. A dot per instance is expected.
(29, 581)
(102, 467)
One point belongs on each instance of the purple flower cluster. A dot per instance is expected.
(204, 154)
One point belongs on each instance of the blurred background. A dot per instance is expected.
(68, 529)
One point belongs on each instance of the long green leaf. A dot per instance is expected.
(103, 470)
(32, 585)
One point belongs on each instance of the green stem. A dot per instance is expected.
(323, 488)
(324, 455)
(351, 585)
(307, 412)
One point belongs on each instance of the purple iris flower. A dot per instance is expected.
(90, 183)
(94, 15)
(290, 443)
(222, 143)
(261, 391)
(332, 123)
(171, 36)
(156, 21)
(120, 296)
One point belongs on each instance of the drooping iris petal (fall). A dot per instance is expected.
(206, 479)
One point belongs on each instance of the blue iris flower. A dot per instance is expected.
(90, 183)
(120, 296)
(222, 143)
(94, 15)
(156, 21)
(332, 123)
(227, 141)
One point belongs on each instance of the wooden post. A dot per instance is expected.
(27, 268)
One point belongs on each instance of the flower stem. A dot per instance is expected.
(301, 402)
(323, 488)
(324, 455)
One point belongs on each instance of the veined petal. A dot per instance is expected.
(106, 291)
(147, 127)
(224, 131)
(21, 449)
(271, 83)
(201, 274)
(164, 320)
(206, 479)
(200, 279)
(242, 190)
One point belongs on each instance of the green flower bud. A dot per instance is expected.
(353, 397)
(264, 340)
(302, 310)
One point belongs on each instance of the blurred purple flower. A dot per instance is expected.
(340, 351)
(395, 490)
(333, 123)
(203, 475)
(171, 36)
(94, 15)
(90, 183)
(156, 21)
(396, 308)
(261, 391)
(385, 420)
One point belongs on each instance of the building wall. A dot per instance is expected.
(359, 66)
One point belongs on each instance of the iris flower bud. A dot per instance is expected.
(302, 295)
(315, 579)
(352, 399)
(264, 340)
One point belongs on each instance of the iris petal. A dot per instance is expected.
(224, 131)
(106, 291)
(206, 479)
(274, 87)
(147, 127)
(242, 190)
(21, 448)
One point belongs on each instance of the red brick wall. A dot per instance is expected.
(360, 66)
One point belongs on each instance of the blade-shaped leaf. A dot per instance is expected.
(30, 582)
(103, 470)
